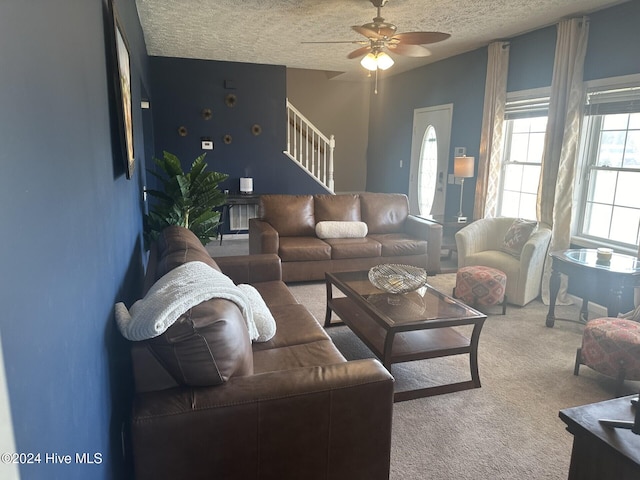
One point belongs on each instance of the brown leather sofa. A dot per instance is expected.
(286, 226)
(209, 404)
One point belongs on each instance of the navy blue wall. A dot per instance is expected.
(71, 232)
(612, 51)
(614, 38)
(531, 60)
(182, 88)
(459, 80)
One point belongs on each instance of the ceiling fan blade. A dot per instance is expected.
(359, 52)
(409, 50)
(367, 32)
(361, 42)
(420, 38)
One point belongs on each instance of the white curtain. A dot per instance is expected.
(490, 155)
(555, 192)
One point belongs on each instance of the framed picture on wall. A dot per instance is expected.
(122, 78)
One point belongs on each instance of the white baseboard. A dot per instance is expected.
(234, 236)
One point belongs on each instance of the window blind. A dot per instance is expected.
(526, 108)
(619, 100)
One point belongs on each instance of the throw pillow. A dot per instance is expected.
(331, 229)
(262, 317)
(517, 235)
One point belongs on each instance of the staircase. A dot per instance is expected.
(309, 147)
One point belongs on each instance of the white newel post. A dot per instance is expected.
(332, 146)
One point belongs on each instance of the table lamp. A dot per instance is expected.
(462, 168)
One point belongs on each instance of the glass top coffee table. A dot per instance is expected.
(406, 327)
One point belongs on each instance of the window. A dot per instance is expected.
(610, 156)
(525, 126)
(427, 171)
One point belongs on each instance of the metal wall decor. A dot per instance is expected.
(230, 99)
(256, 129)
(227, 139)
(207, 114)
(182, 131)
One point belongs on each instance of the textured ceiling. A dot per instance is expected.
(271, 31)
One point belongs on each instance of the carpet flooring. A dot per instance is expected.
(507, 429)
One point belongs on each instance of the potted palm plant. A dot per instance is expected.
(186, 199)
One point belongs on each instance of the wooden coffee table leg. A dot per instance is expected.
(388, 350)
(473, 354)
(327, 315)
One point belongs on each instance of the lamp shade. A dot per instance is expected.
(463, 167)
(369, 62)
(376, 60)
(384, 61)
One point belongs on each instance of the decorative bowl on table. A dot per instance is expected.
(395, 278)
(604, 255)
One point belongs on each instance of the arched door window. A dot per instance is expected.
(427, 171)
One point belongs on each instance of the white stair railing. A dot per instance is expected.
(309, 147)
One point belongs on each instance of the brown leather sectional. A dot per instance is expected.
(286, 227)
(209, 404)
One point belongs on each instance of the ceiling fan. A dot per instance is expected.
(382, 38)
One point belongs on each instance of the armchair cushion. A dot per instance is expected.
(517, 235)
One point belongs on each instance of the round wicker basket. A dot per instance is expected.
(395, 278)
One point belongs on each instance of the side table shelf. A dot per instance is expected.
(238, 201)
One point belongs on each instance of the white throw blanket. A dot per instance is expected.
(174, 294)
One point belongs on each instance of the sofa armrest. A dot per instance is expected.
(430, 231)
(263, 238)
(251, 268)
(331, 421)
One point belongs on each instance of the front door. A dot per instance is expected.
(430, 159)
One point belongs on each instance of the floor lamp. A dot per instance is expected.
(462, 168)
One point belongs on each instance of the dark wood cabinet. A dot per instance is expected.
(599, 452)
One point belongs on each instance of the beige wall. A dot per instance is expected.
(339, 108)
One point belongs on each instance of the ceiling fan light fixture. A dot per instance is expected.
(369, 61)
(376, 60)
(384, 61)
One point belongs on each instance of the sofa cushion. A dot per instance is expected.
(294, 326)
(206, 346)
(297, 249)
(332, 229)
(354, 247)
(399, 244)
(290, 215)
(344, 208)
(275, 293)
(291, 357)
(384, 212)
